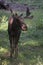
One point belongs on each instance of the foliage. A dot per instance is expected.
(30, 43)
(40, 25)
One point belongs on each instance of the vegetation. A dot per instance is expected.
(29, 2)
(30, 43)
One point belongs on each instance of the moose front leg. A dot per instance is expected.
(11, 46)
(16, 50)
(16, 47)
(16, 44)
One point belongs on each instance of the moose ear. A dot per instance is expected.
(11, 20)
(11, 10)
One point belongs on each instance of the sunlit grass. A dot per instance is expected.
(31, 42)
(3, 50)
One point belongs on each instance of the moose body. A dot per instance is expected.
(15, 25)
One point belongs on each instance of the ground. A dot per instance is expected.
(30, 43)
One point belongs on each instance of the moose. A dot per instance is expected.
(15, 26)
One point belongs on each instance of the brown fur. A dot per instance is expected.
(14, 30)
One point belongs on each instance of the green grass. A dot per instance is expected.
(30, 2)
(30, 43)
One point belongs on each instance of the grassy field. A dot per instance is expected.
(30, 43)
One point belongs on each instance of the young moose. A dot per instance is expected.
(15, 25)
